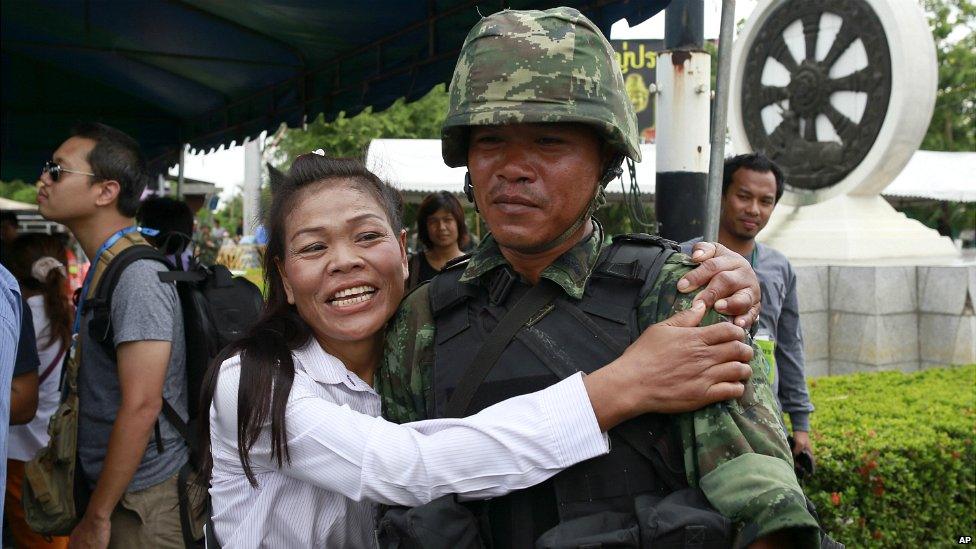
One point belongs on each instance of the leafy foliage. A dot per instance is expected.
(953, 126)
(895, 457)
(230, 215)
(949, 218)
(19, 191)
(347, 136)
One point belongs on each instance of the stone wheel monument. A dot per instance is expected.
(840, 93)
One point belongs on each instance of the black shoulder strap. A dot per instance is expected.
(528, 305)
(100, 326)
(627, 256)
(177, 422)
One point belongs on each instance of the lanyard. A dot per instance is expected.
(91, 274)
(752, 256)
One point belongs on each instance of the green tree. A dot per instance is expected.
(953, 125)
(230, 215)
(19, 191)
(349, 136)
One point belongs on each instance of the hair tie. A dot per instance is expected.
(320, 152)
(42, 267)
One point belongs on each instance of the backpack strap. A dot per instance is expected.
(50, 368)
(173, 417)
(100, 326)
(218, 275)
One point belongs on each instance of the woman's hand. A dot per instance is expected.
(674, 366)
(732, 287)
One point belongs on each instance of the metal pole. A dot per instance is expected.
(713, 204)
(683, 74)
(252, 186)
(179, 178)
(684, 25)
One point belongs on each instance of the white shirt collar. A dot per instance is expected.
(320, 365)
(325, 368)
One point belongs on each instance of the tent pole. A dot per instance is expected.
(252, 185)
(179, 178)
(720, 111)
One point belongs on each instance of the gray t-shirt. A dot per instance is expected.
(143, 308)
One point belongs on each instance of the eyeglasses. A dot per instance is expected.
(55, 169)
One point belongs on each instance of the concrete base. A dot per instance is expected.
(869, 318)
(854, 230)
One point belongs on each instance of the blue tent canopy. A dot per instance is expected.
(213, 72)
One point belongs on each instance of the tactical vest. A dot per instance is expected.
(566, 337)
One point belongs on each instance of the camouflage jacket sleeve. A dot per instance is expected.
(736, 451)
(403, 379)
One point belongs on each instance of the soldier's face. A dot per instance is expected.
(533, 181)
(748, 203)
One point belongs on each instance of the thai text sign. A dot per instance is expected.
(638, 62)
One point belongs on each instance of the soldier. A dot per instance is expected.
(540, 116)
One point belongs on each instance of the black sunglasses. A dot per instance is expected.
(54, 170)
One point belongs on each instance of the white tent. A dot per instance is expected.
(13, 205)
(415, 167)
(937, 175)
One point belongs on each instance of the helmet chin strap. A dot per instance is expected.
(599, 200)
(469, 190)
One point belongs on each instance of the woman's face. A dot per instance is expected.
(442, 229)
(343, 266)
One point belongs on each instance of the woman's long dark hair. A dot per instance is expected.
(24, 251)
(267, 368)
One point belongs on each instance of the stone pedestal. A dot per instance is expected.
(947, 323)
(854, 230)
(868, 318)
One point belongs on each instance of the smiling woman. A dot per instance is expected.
(343, 266)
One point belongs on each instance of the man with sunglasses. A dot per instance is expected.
(129, 457)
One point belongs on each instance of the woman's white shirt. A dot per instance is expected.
(25, 440)
(344, 458)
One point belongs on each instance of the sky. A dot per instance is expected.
(225, 167)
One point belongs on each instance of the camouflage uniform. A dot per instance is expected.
(735, 451)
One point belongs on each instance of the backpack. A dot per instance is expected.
(217, 308)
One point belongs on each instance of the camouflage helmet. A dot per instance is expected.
(537, 66)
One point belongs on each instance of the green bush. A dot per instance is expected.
(895, 456)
